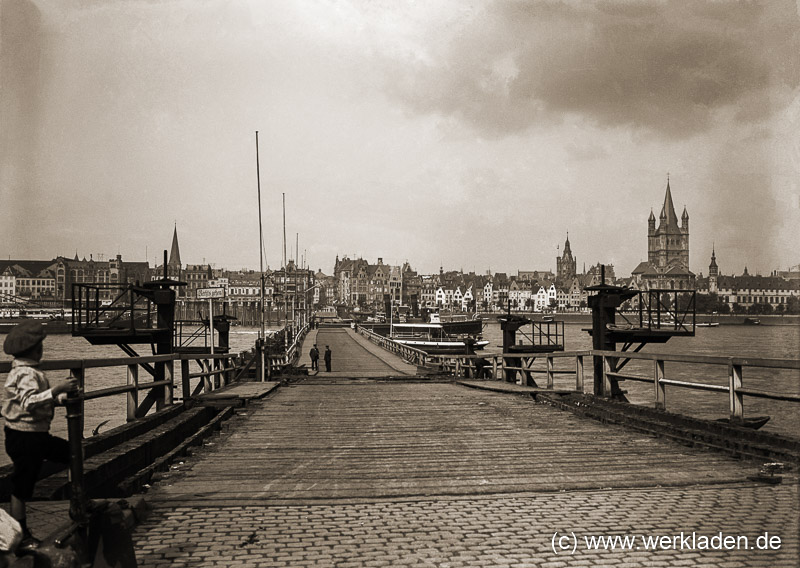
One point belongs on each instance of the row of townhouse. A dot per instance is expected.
(293, 288)
(359, 283)
(53, 280)
(747, 290)
(527, 291)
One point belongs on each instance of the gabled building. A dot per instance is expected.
(411, 288)
(428, 288)
(500, 286)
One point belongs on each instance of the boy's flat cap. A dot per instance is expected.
(24, 336)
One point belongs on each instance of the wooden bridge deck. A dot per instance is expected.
(324, 442)
(342, 470)
(353, 356)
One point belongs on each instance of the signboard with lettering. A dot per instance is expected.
(209, 293)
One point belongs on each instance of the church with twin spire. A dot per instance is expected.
(667, 265)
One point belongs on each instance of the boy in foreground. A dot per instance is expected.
(28, 410)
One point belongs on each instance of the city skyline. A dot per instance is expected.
(582, 268)
(472, 136)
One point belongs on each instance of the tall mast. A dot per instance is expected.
(261, 333)
(285, 279)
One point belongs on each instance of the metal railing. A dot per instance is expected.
(665, 310)
(103, 305)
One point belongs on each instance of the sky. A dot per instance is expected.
(451, 133)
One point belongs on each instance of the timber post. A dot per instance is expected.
(604, 304)
(77, 501)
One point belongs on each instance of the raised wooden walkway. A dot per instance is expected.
(342, 470)
(353, 356)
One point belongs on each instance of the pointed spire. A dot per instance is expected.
(668, 211)
(175, 253)
(685, 214)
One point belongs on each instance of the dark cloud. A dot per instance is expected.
(665, 67)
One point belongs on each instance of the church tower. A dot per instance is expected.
(566, 265)
(713, 272)
(668, 245)
(174, 262)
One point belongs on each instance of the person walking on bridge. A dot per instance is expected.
(314, 354)
(328, 358)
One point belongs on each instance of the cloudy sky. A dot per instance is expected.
(456, 133)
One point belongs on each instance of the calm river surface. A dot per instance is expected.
(762, 341)
(780, 342)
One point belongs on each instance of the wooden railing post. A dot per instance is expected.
(187, 393)
(606, 378)
(494, 368)
(159, 376)
(660, 389)
(736, 398)
(169, 375)
(74, 404)
(259, 355)
(133, 396)
(205, 364)
(550, 364)
(579, 373)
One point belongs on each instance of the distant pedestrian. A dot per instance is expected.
(327, 358)
(314, 354)
(28, 411)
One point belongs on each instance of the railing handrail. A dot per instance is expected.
(464, 363)
(66, 364)
(217, 370)
(701, 359)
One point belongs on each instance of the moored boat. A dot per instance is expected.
(432, 338)
(711, 323)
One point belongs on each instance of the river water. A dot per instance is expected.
(759, 341)
(765, 341)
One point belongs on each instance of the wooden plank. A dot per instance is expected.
(244, 390)
(366, 440)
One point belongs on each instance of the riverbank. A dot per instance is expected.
(586, 317)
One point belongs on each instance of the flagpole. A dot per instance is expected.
(261, 332)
